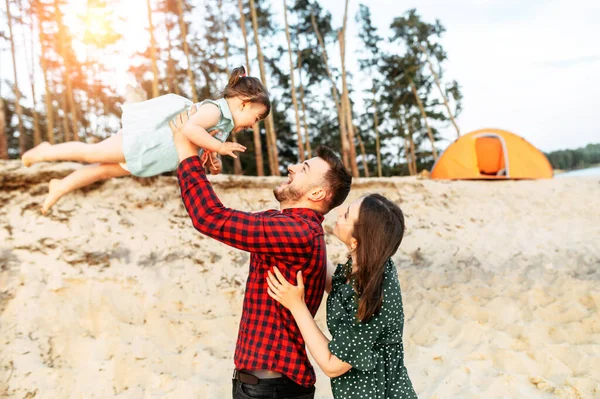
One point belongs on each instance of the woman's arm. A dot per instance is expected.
(330, 272)
(292, 297)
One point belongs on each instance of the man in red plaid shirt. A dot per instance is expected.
(270, 355)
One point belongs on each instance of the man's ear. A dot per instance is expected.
(317, 194)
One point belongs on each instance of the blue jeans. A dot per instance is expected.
(274, 388)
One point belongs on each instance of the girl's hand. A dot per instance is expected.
(214, 164)
(290, 296)
(227, 148)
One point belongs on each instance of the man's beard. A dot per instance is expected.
(287, 194)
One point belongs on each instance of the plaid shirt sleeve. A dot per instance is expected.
(254, 232)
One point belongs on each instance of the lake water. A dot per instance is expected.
(595, 171)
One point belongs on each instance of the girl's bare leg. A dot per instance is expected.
(80, 178)
(109, 150)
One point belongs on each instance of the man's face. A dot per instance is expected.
(302, 178)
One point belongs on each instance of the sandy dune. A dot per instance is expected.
(116, 295)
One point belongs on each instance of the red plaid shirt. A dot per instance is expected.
(292, 240)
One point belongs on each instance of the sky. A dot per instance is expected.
(531, 67)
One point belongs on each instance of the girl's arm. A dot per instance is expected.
(292, 297)
(202, 118)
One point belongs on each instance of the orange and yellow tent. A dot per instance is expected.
(491, 154)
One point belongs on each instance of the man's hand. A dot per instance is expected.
(185, 148)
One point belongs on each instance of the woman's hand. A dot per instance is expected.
(290, 296)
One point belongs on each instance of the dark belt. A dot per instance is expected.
(245, 377)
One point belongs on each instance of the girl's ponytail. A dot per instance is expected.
(236, 75)
(248, 88)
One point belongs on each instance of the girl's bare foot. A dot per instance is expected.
(34, 155)
(54, 194)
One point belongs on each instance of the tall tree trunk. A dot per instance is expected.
(336, 98)
(171, 72)
(363, 154)
(186, 50)
(294, 100)
(346, 96)
(406, 131)
(48, 98)
(439, 85)
(65, 115)
(64, 94)
(260, 169)
(37, 135)
(237, 163)
(347, 109)
(269, 124)
(411, 141)
(222, 26)
(155, 92)
(377, 142)
(48, 95)
(424, 115)
(18, 108)
(306, 136)
(341, 109)
(407, 156)
(72, 105)
(3, 138)
(68, 96)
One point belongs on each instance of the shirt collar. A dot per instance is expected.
(306, 212)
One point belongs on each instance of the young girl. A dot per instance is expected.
(365, 357)
(144, 147)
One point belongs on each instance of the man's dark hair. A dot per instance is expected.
(337, 178)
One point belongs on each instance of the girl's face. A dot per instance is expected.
(246, 115)
(344, 226)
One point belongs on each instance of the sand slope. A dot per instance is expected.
(116, 295)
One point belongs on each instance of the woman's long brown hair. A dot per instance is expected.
(379, 231)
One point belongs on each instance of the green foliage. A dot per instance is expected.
(391, 65)
(578, 158)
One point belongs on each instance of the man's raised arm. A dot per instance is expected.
(276, 235)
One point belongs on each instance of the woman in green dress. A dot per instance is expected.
(365, 357)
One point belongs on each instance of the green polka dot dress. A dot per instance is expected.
(374, 349)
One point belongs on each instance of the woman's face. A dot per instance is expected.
(347, 216)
